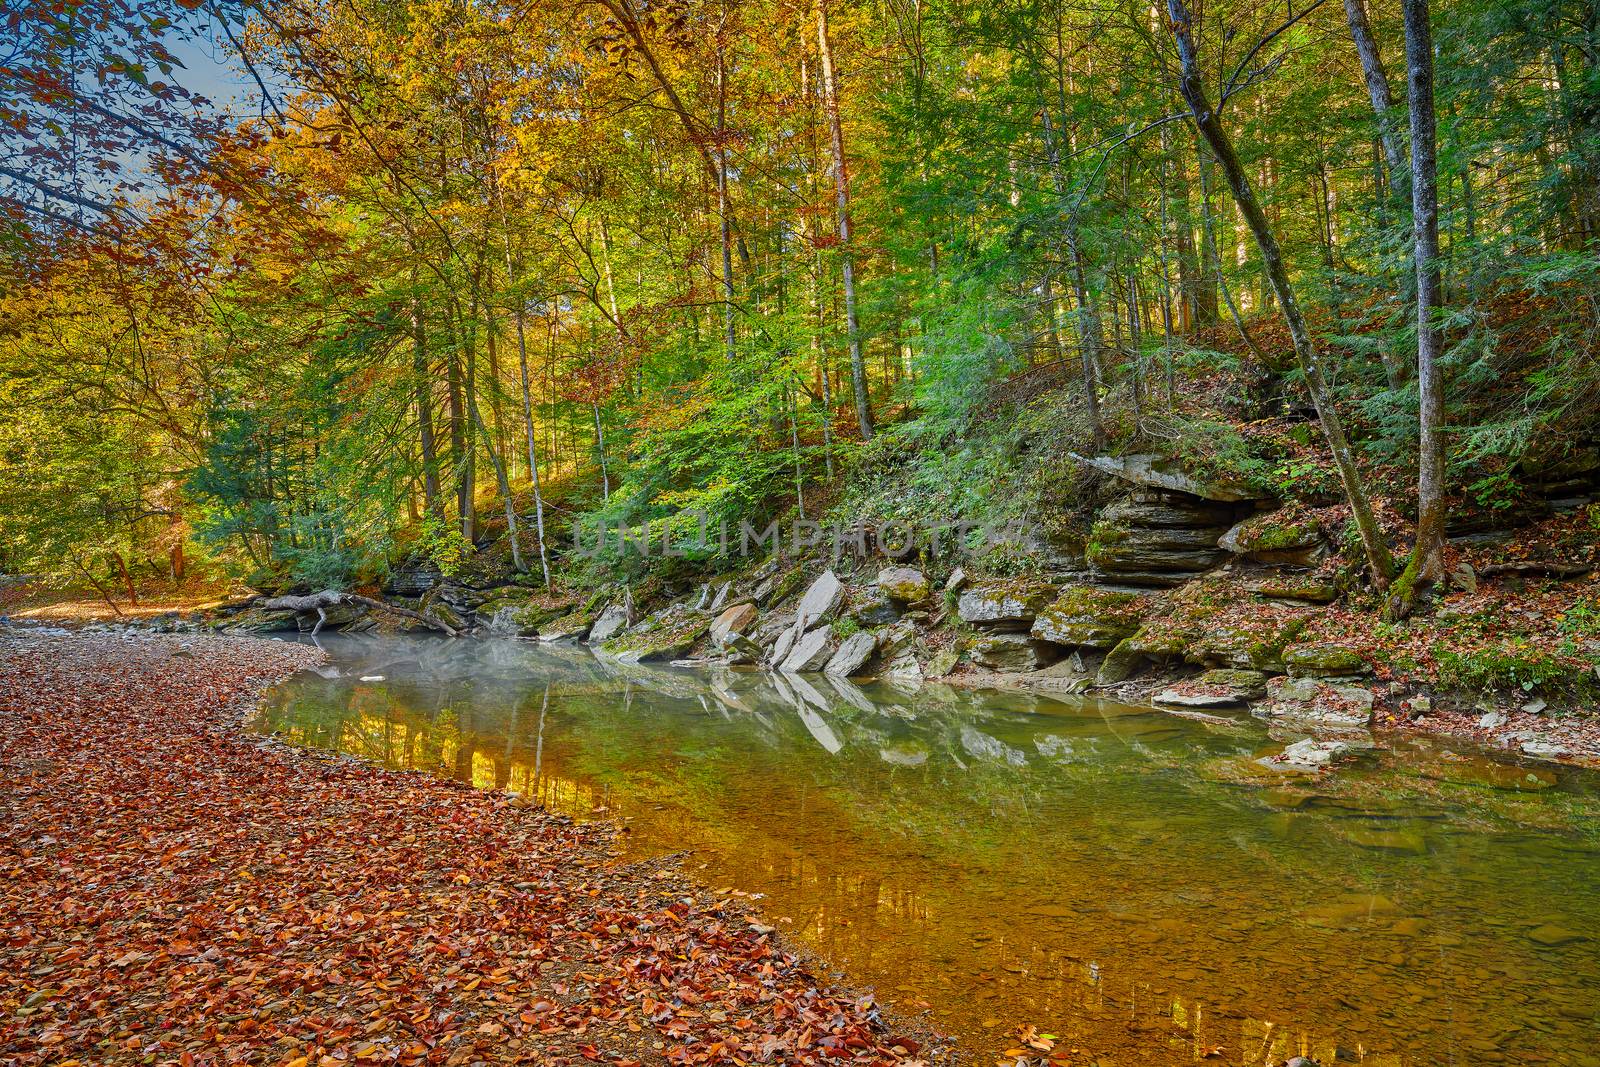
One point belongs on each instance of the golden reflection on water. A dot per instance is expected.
(1094, 870)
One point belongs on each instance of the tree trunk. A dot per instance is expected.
(1355, 12)
(1210, 126)
(1089, 346)
(1426, 566)
(419, 370)
(841, 183)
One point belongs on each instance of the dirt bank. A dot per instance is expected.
(176, 891)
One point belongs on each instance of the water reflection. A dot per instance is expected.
(1122, 878)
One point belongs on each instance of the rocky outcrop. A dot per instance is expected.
(1215, 689)
(1013, 652)
(1158, 539)
(1009, 605)
(612, 621)
(1159, 472)
(666, 636)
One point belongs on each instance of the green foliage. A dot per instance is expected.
(442, 543)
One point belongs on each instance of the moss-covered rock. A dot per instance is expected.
(1013, 652)
(1090, 617)
(1276, 537)
(574, 626)
(1324, 660)
(906, 585)
(663, 639)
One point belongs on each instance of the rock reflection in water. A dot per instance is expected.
(1095, 869)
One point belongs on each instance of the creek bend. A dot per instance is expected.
(1131, 881)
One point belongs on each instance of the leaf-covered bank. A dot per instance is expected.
(176, 892)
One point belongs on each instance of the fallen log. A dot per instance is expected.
(1550, 570)
(328, 598)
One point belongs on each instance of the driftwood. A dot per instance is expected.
(321, 602)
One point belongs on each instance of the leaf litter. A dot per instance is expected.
(176, 891)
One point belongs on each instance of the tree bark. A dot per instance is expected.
(841, 184)
(1426, 566)
(1210, 125)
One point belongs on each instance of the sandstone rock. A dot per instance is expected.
(904, 667)
(905, 585)
(811, 650)
(733, 621)
(1013, 652)
(895, 638)
(957, 580)
(821, 600)
(1006, 605)
(1088, 616)
(257, 621)
(853, 653)
(1324, 661)
(1121, 663)
(1544, 749)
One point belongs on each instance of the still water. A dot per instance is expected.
(1130, 881)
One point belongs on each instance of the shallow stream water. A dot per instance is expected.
(1130, 881)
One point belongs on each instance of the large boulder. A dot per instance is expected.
(1013, 652)
(1089, 616)
(821, 601)
(853, 653)
(905, 585)
(811, 651)
(870, 606)
(1005, 605)
(737, 619)
(612, 621)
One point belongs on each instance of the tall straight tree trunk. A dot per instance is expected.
(724, 212)
(1426, 566)
(504, 481)
(1355, 13)
(1210, 125)
(419, 370)
(1090, 342)
(527, 391)
(841, 184)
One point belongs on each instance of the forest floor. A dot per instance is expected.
(177, 891)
